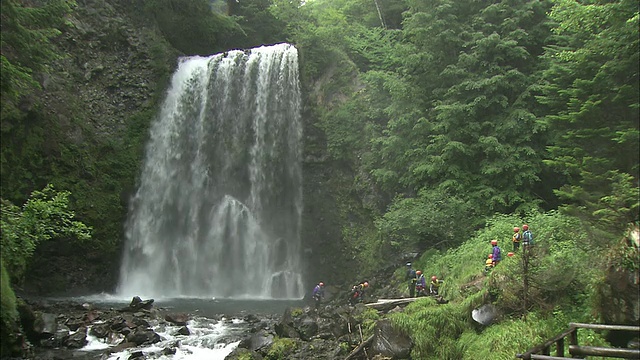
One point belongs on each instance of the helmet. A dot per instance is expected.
(418, 272)
(408, 264)
(525, 227)
(516, 229)
(490, 256)
(494, 242)
(365, 284)
(434, 278)
(321, 283)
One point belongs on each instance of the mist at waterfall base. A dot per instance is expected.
(217, 213)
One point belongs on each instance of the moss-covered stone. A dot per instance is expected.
(8, 315)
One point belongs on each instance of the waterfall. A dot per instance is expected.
(218, 209)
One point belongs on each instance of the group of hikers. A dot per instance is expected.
(356, 295)
(526, 238)
(418, 283)
(417, 287)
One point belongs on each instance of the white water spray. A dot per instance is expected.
(218, 209)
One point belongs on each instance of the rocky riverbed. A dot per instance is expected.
(76, 329)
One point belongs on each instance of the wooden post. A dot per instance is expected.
(573, 336)
(525, 277)
(560, 347)
(360, 347)
(362, 340)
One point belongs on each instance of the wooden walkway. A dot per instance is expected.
(388, 304)
(543, 351)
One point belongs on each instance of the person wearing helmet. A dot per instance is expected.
(488, 264)
(497, 252)
(357, 293)
(434, 285)
(363, 287)
(318, 294)
(527, 236)
(516, 238)
(354, 295)
(421, 284)
(411, 278)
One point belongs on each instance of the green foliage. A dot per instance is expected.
(8, 313)
(27, 31)
(280, 348)
(591, 92)
(433, 328)
(475, 141)
(367, 320)
(46, 215)
(365, 246)
(428, 220)
(296, 311)
(259, 25)
(192, 27)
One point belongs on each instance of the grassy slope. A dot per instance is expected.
(563, 278)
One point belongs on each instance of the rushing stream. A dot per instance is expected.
(214, 328)
(218, 209)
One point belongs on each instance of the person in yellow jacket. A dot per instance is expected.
(488, 264)
(516, 238)
(434, 285)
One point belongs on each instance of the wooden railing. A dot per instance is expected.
(543, 352)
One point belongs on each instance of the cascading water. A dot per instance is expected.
(218, 209)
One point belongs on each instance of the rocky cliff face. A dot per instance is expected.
(100, 97)
(115, 66)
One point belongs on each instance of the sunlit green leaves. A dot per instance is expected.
(46, 215)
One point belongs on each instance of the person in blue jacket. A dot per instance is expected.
(527, 236)
(497, 253)
(318, 294)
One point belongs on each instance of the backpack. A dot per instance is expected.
(516, 237)
(528, 236)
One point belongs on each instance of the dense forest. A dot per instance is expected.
(431, 127)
